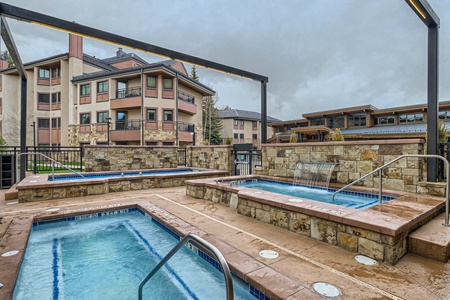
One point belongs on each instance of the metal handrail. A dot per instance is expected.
(49, 158)
(223, 263)
(380, 195)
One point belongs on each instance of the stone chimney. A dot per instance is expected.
(75, 46)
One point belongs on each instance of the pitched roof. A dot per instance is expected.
(244, 115)
(123, 56)
(390, 129)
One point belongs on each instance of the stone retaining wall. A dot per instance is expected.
(354, 159)
(121, 158)
(380, 246)
(210, 157)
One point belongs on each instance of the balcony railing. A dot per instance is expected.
(186, 97)
(128, 125)
(127, 93)
(187, 127)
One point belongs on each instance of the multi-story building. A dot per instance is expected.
(241, 126)
(74, 99)
(360, 123)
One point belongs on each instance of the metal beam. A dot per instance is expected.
(71, 27)
(433, 104)
(424, 11)
(263, 112)
(11, 46)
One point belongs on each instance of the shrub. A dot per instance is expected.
(337, 136)
(293, 138)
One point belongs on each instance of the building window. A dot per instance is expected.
(151, 114)
(254, 137)
(85, 118)
(56, 72)
(43, 123)
(151, 82)
(44, 73)
(102, 87)
(85, 89)
(168, 83)
(254, 125)
(444, 115)
(236, 136)
(101, 116)
(56, 123)
(384, 120)
(44, 98)
(336, 122)
(357, 120)
(168, 115)
(242, 123)
(56, 98)
(411, 118)
(317, 122)
(241, 137)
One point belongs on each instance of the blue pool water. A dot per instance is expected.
(107, 256)
(347, 198)
(123, 174)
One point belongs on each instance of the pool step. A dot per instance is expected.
(431, 240)
(11, 194)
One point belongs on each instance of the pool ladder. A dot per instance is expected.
(380, 185)
(192, 237)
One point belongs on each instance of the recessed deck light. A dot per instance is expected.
(269, 254)
(295, 200)
(10, 253)
(326, 289)
(365, 260)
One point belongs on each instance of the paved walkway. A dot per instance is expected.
(302, 259)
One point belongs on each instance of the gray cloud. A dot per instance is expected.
(318, 55)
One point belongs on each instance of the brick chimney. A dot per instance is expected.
(3, 64)
(75, 46)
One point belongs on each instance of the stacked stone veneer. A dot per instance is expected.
(210, 157)
(354, 159)
(322, 224)
(120, 158)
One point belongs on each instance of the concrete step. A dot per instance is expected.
(11, 194)
(431, 240)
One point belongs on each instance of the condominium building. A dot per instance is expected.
(242, 126)
(360, 123)
(75, 99)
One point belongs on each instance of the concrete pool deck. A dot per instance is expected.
(301, 259)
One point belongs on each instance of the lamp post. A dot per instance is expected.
(424, 11)
(108, 121)
(34, 147)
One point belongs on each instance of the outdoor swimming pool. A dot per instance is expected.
(106, 255)
(352, 199)
(126, 174)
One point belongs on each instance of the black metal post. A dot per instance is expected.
(433, 107)
(193, 138)
(263, 112)
(34, 147)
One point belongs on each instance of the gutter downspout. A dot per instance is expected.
(142, 109)
(176, 109)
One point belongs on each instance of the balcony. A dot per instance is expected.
(125, 131)
(127, 98)
(186, 132)
(186, 103)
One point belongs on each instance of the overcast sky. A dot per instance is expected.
(318, 55)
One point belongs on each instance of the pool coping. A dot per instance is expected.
(257, 274)
(42, 180)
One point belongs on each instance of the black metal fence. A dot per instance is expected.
(71, 157)
(245, 161)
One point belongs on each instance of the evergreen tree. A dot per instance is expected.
(212, 123)
(194, 75)
(6, 56)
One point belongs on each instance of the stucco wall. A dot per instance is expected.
(354, 159)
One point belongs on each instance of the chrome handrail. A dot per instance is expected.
(380, 195)
(49, 158)
(223, 263)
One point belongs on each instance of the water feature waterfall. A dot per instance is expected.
(314, 173)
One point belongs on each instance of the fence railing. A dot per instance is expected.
(128, 125)
(131, 92)
(72, 157)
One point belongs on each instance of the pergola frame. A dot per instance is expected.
(21, 14)
(424, 11)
